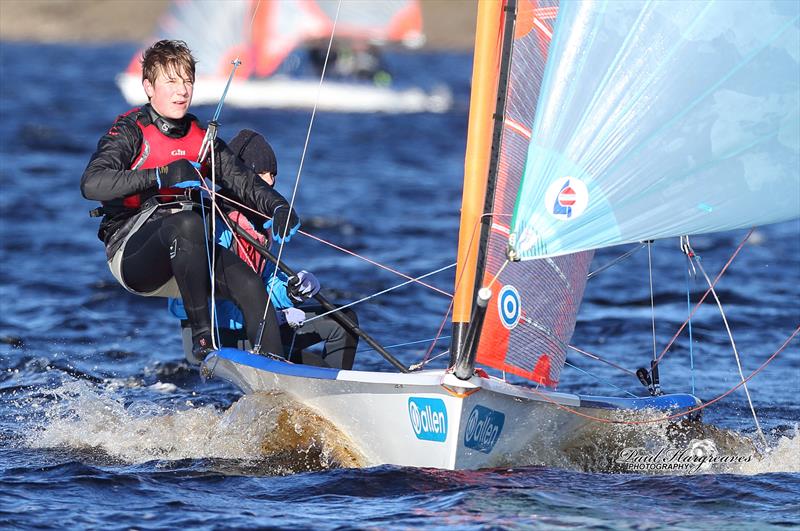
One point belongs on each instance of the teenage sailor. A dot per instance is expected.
(154, 225)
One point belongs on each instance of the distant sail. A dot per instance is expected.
(531, 316)
(220, 31)
(659, 119)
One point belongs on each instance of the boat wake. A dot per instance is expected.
(266, 433)
(689, 447)
(269, 434)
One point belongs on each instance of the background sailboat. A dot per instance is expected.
(282, 45)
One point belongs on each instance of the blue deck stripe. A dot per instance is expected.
(279, 367)
(663, 402)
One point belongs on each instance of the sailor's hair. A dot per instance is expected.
(166, 55)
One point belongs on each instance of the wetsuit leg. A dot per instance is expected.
(176, 245)
(237, 282)
(339, 350)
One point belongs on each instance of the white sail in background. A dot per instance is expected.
(659, 119)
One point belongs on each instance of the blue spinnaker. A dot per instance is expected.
(660, 119)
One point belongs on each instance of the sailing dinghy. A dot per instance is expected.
(267, 36)
(591, 124)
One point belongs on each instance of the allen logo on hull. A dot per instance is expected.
(484, 427)
(428, 418)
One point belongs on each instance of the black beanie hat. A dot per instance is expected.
(254, 151)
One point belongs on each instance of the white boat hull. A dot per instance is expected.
(431, 418)
(290, 93)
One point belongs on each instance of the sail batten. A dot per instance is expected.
(660, 119)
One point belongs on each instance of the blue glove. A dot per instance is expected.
(302, 286)
(294, 317)
(284, 221)
(181, 173)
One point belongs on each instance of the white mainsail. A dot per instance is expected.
(660, 119)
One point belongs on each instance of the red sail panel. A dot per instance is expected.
(531, 316)
(284, 25)
(262, 34)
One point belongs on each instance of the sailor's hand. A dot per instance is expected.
(180, 173)
(284, 224)
(302, 286)
(295, 317)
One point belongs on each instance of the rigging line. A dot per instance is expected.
(387, 290)
(333, 245)
(598, 358)
(457, 284)
(614, 262)
(402, 344)
(733, 344)
(387, 268)
(302, 159)
(213, 246)
(652, 302)
(253, 18)
(421, 364)
(438, 333)
(494, 279)
(702, 406)
(211, 255)
(618, 388)
(689, 310)
(703, 298)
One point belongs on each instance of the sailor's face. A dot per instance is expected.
(268, 178)
(171, 94)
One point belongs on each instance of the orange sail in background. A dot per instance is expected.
(262, 34)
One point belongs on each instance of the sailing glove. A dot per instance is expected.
(180, 173)
(295, 317)
(284, 222)
(302, 286)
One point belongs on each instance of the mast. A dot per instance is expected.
(486, 61)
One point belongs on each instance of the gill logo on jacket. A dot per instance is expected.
(178, 153)
(484, 427)
(428, 418)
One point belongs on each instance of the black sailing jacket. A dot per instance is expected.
(108, 177)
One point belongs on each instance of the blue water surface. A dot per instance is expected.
(103, 425)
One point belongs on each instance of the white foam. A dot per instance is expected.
(86, 417)
(782, 456)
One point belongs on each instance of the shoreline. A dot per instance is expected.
(447, 24)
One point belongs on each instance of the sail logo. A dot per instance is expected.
(566, 198)
(484, 427)
(428, 418)
(508, 306)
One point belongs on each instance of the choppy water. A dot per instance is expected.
(103, 426)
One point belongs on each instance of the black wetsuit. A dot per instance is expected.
(175, 244)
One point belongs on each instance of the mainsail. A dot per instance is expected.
(531, 316)
(660, 119)
(262, 34)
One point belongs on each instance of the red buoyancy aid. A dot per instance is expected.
(159, 150)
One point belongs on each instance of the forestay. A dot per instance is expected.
(531, 317)
(659, 119)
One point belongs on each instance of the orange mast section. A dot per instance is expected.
(486, 65)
